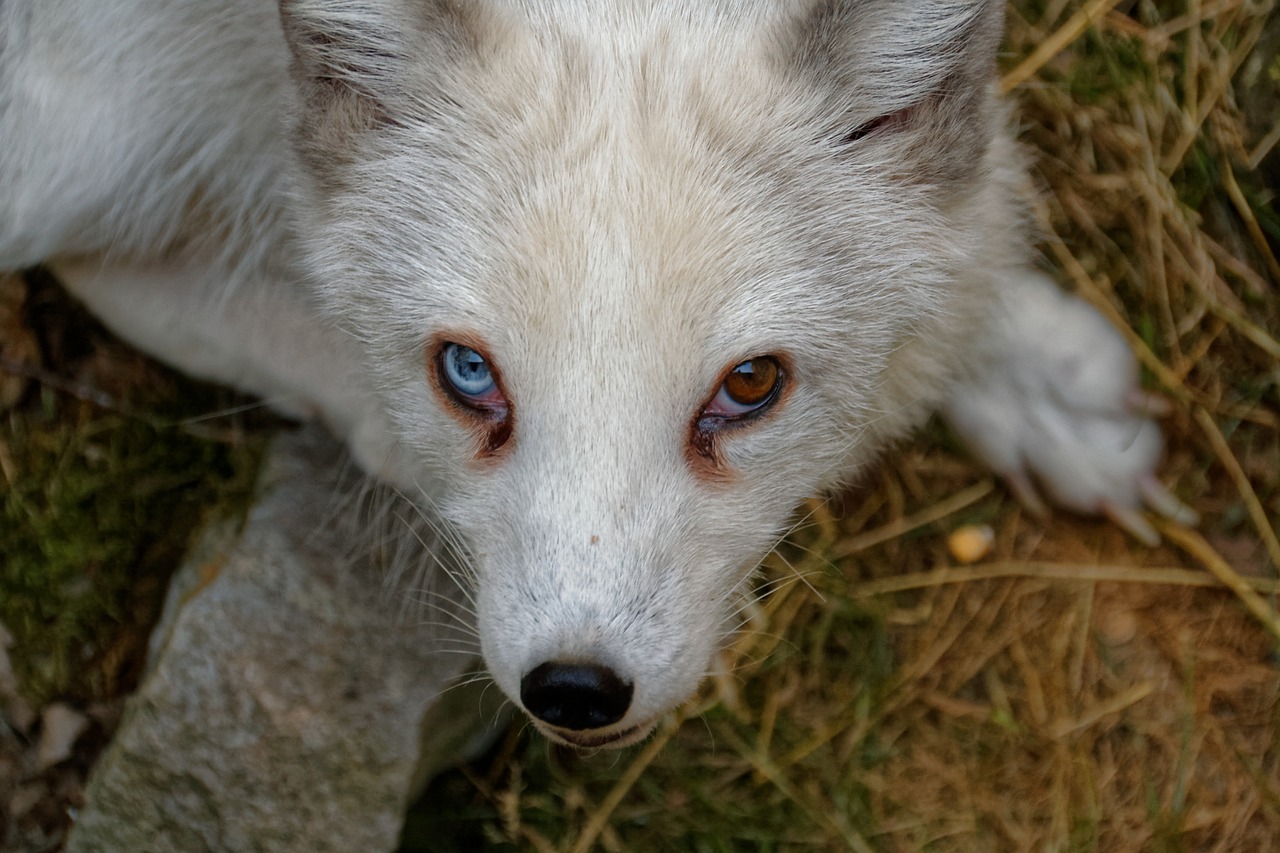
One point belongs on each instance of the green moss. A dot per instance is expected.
(98, 512)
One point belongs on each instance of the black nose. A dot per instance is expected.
(575, 696)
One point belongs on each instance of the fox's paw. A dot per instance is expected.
(1060, 410)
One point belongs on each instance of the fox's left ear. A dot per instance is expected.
(922, 69)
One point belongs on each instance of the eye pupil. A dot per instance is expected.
(468, 363)
(751, 382)
(466, 370)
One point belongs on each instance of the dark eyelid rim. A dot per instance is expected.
(435, 349)
(494, 424)
(712, 424)
(702, 447)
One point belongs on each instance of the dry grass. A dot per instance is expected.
(1074, 690)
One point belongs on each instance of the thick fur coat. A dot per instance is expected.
(613, 209)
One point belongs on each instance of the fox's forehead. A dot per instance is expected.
(652, 189)
(658, 190)
(631, 27)
(641, 271)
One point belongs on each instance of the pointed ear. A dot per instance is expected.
(920, 71)
(360, 65)
(890, 53)
(342, 52)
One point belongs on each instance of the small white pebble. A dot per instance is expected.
(1118, 627)
(971, 543)
(60, 725)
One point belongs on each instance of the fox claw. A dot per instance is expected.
(1025, 492)
(1146, 404)
(1163, 502)
(1132, 522)
(1155, 497)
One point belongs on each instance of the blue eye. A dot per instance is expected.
(468, 374)
(473, 391)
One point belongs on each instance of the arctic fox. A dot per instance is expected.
(611, 286)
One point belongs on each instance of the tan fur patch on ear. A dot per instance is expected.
(358, 68)
(907, 80)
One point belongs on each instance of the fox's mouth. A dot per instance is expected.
(597, 739)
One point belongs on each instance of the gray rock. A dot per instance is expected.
(292, 702)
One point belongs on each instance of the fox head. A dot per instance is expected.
(632, 280)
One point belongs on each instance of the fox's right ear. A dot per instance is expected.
(359, 64)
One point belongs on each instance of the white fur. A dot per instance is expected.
(621, 200)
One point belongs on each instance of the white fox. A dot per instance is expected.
(613, 286)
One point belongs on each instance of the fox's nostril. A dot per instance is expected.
(575, 696)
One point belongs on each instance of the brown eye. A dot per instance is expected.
(751, 383)
(747, 392)
(749, 388)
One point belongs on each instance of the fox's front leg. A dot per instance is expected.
(1054, 402)
(253, 330)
